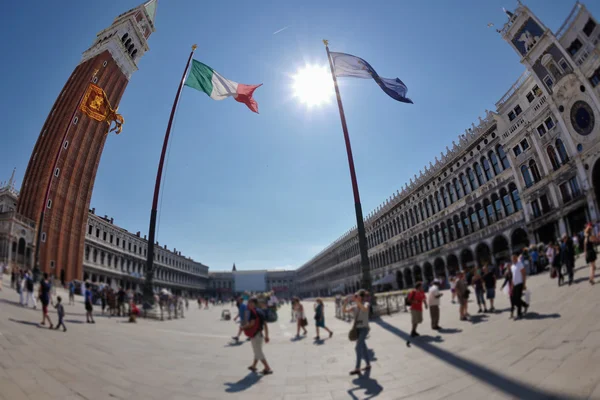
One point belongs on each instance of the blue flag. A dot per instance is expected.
(356, 67)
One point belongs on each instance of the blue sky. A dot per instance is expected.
(268, 190)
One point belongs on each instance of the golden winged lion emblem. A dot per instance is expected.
(95, 105)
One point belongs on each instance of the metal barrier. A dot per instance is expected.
(385, 304)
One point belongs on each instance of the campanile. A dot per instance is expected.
(73, 142)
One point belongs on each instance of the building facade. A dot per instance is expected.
(526, 173)
(60, 175)
(17, 233)
(114, 256)
(222, 283)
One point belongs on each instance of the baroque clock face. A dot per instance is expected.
(582, 118)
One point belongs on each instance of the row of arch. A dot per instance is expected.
(557, 154)
(473, 176)
(490, 210)
(126, 40)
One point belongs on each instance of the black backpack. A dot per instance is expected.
(29, 285)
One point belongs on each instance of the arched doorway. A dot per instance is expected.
(428, 270)
(466, 259)
(452, 261)
(440, 270)
(500, 249)
(519, 239)
(483, 254)
(418, 274)
(408, 279)
(399, 280)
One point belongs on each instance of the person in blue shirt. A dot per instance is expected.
(535, 259)
(89, 318)
(241, 316)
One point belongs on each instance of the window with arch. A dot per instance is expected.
(444, 197)
(125, 36)
(487, 168)
(508, 208)
(438, 200)
(535, 172)
(497, 206)
(465, 184)
(130, 48)
(134, 53)
(553, 157)
(421, 211)
(427, 208)
(432, 205)
(473, 215)
(562, 152)
(466, 222)
(526, 175)
(457, 188)
(481, 219)
(495, 164)
(416, 214)
(459, 228)
(472, 179)
(127, 42)
(515, 196)
(445, 233)
(489, 209)
(503, 157)
(450, 191)
(479, 174)
(412, 218)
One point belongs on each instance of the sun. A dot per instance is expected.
(313, 85)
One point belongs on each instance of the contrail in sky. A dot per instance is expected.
(281, 30)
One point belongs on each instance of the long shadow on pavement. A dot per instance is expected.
(534, 315)
(31, 323)
(244, 383)
(449, 330)
(487, 376)
(370, 386)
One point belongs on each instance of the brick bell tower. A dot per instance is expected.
(73, 143)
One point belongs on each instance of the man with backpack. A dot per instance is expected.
(253, 328)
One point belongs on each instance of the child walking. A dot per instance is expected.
(60, 309)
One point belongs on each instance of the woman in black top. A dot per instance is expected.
(590, 253)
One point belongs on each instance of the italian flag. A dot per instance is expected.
(207, 80)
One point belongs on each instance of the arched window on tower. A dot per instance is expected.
(562, 152)
(553, 158)
(127, 43)
(134, 53)
(526, 175)
(130, 48)
(125, 36)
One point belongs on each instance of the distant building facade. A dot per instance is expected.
(281, 282)
(117, 257)
(526, 173)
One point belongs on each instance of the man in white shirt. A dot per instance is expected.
(434, 304)
(518, 281)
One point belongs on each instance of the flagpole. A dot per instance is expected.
(148, 283)
(360, 226)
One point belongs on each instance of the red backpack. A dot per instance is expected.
(257, 326)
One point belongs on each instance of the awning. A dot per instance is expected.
(386, 280)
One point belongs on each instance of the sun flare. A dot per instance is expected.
(313, 85)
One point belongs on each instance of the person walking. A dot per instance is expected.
(320, 318)
(489, 282)
(589, 241)
(535, 258)
(254, 330)
(434, 304)
(29, 289)
(479, 290)
(242, 317)
(44, 295)
(300, 317)
(567, 252)
(453, 287)
(416, 298)
(60, 309)
(518, 285)
(89, 308)
(462, 294)
(557, 264)
(361, 322)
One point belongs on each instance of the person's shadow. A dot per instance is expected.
(478, 318)
(244, 383)
(449, 330)
(297, 338)
(534, 315)
(370, 386)
(30, 323)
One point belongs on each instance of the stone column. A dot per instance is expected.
(562, 226)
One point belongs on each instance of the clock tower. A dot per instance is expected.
(59, 180)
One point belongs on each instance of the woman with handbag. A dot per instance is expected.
(360, 329)
(301, 321)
